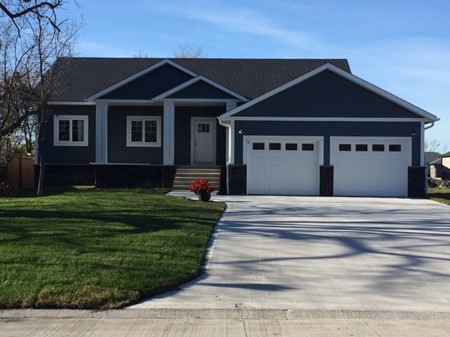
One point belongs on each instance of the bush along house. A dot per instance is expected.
(250, 126)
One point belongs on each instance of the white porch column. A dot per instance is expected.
(169, 133)
(231, 104)
(101, 131)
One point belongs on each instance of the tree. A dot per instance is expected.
(187, 51)
(140, 54)
(435, 146)
(32, 40)
(14, 10)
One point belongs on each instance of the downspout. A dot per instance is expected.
(429, 127)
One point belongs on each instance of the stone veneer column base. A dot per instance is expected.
(237, 179)
(416, 182)
(326, 181)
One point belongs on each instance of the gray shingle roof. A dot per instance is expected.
(80, 78)
(431, 156)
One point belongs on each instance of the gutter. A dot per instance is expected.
(430, 126)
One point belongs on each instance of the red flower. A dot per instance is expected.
(200, 185)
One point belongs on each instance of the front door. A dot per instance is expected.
(203, 145)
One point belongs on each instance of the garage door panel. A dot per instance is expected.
(282, 168)
(382, 170)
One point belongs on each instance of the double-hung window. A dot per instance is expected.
(144, 131)
(70, 130)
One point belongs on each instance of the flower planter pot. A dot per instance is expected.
(203, 195)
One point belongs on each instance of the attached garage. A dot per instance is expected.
(371, 167)
(287, 166)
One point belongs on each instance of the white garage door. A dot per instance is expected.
(284, 167)
(371, 167)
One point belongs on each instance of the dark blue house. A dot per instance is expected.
(270, 126)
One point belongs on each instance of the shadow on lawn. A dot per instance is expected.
(75, 229)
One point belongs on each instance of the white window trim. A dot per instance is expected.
(70, 118)
(143, 143)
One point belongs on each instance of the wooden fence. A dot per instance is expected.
(20, 172)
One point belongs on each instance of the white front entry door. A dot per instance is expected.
(203, 145)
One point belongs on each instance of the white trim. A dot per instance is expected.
(139, 74)
(213, 130)
(143, 143)
(101, 132)
(195, 80)
(129, 102)
(247, 139)
(70, 103)
(122, 164)
(198, 100)
(232, 142)
(70, 118)
(169, 133)
(327, 119)
(422, 145)
(428, 116)
(231, 104)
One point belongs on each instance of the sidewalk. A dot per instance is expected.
(217, 323)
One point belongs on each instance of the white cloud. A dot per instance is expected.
(243, 21)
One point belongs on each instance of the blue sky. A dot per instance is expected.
(401, 46)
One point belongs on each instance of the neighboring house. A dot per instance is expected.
(446, 165)
(274, 126)
(431, 157)
(440, 168)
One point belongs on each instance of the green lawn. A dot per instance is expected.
(439, 194)
(99, 249)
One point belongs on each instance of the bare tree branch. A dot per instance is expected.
(34, 9)
(13, 16)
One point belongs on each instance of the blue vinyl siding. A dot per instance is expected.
(327, 130)
(75, 155)
(150, 85)
(327, 95)
(118, 152)
(202, 89)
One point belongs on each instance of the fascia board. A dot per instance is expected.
(70, 103)
(137, 75)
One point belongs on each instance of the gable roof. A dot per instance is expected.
(137, 75)
(195, 80)
(330, 67)
(83, 78)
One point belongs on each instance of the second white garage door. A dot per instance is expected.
(371, 167)
(283, 166)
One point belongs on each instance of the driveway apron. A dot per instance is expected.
(319, 253)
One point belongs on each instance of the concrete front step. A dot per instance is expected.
(186, 175)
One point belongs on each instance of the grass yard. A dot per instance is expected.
(439, 194)
(99, 249)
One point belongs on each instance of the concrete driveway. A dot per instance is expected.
(319, 253)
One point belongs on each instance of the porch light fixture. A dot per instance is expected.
(241, 132)
(413, 133)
